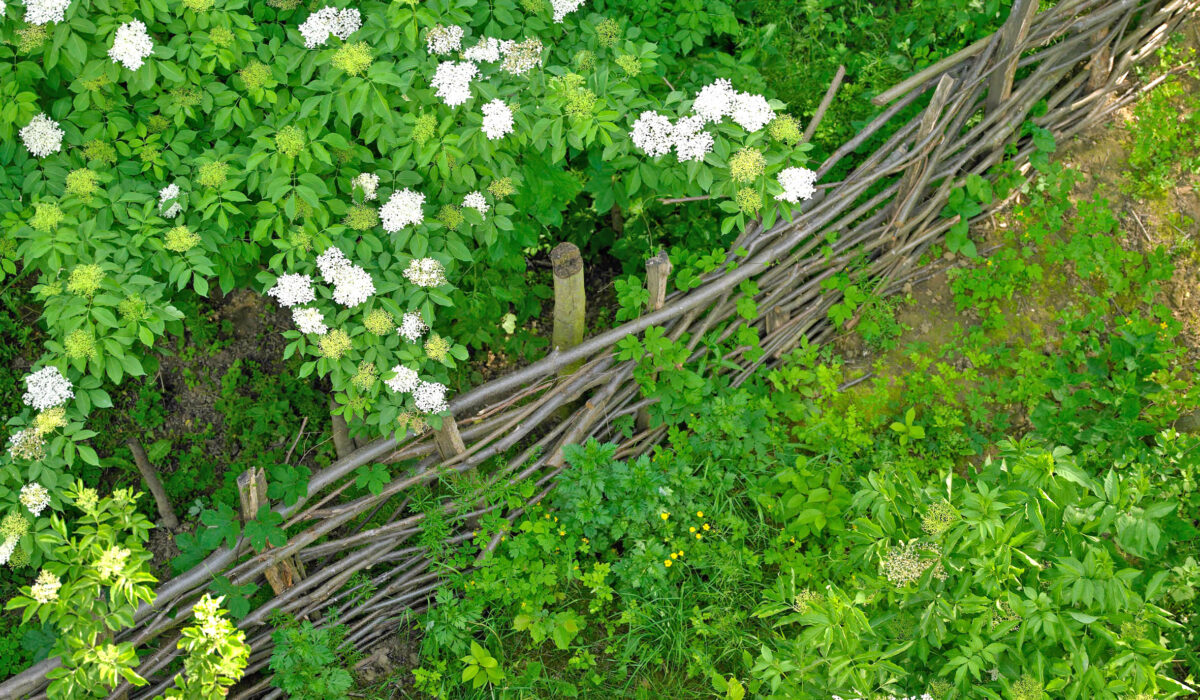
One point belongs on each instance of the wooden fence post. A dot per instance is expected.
(912, 181)
(1012, 36)
(449, 441)
(658, 271)
(1101, 63)
(342, 444)
(252, 489)
(570, 303)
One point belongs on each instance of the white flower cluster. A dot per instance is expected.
(412, 327)
(430, 397)
(402, 209)
(405, 380)
(797, 184)
(290, 290)
(112, 562)
(45, 11)
(562, 8)
(443, 40)
(170, 193)
(487, 51)
(925, 696)
(476, 201)
(352, 285)
(35, 497)
(521, 56)
(47, 388)
(45, 589)
(42, 136)
(213, 625)
(131, 45)
(497, 120)
(309, 320)
(655, 135)
(425, 272)
(329, 20)
(368, 183)
(453, 81)
(7, 547)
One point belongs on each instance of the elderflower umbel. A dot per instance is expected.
(379, 322)
(290, 290)
(353, 58)
(45, 589)
(940, 517)
(309, 320)
(46, 11)
(329, 261)
(562, 8)
(47, 388)
(520, 57)
(797, 184)
(27, 444)
(412, 327)
(690, 140)
(170, 193)
(487, 51)
(112, 562)
(368, 183)
(50, 420)
(326, 21)
(403, 381)
(35, 497)
(81, 182)
(425, 272)
(751, 112)
(430, 397)
(714, 102)
(402, 209)
(42, 136)
(476, 201)
(497, 120)
(7, 547)
(437, 347)
(785, 129)
(352, 285)
(181, 239)
(365, 377)
(85, 280)
(360, 217)
(453, 81)
(747, 164)
(905, 564)
(334, 344)
(653, 134)
(444, 40)
(79, 344)
(131, 45)
(46, 216)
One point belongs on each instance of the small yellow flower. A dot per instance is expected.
(1163, 324)
(681, 552)
(699, 514)
(667, 562)
(546, 516)
(792, 540)
(706, 527)
(699, 536)
(674, 555)
(691, 529)
(586, 540)
(664, 515)
(562, 533)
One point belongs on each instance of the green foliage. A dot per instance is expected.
(307, 661)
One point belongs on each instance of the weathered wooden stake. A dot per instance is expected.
(252, 490)
(658, 271)
(570, 302)
(342, 443)
(1101, 64)
(1011, 38)
(150, 476)
(776, 318)
(905, 196)
(449, 441)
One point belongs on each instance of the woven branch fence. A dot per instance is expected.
(1076, 56)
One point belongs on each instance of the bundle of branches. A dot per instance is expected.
(1074, 59)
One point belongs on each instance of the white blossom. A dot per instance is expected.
(430, 397)
(35, 497)
(402, 209)
(47, 388)
(329, 20)
(7, 548)
(45, 590)
(405, 380)
(562, 8)
(690, 139)
(131, 45)
(497, 120)
(309, 320)
(443, 40)
(42, 136)
(653, 133)
(290, 290)
(714, 102)
(487, 51)
(329, 261)
(476, 201)
(425, 272)
(453, 81)
(412, 327)
(751, 112)
(521, 56)
(797, 184)
(368, 183)
(352, 285)
(170, 193)
(112, 562)
(45, 11)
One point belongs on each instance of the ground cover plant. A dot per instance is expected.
(233, 230)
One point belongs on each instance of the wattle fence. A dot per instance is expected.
(1077, 56)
